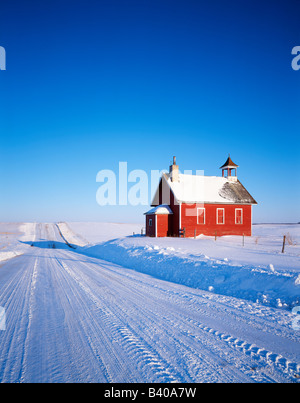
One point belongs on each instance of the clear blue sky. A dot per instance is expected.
(92, 83)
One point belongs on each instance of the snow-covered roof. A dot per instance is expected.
(162, 209)
(204, 189)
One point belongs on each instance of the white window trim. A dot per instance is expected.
(217, 220)
(204, 214)
(239, 223)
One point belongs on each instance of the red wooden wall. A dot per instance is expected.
(169, 225)
(210, 227)
(162, 221)
(162, 225)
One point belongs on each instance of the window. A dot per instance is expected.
(239, 216)
(200, 215)
(150, 222)
(220, 216)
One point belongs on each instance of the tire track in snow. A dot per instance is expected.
(147, 359)
(277, 361)
(263, 360)
(267, 360)
(204, 359)
(124, 333)
(89, 330)
(30, 315)
(273, 361)
(17, 293)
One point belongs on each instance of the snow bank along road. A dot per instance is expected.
(74, 318)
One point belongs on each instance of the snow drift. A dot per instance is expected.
(277, 288)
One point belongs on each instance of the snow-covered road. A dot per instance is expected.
(74, 318)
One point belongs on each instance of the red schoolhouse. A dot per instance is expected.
(191, 205)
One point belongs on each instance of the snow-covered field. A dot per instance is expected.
(253, 268)
(13, 238)
(118, 307)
